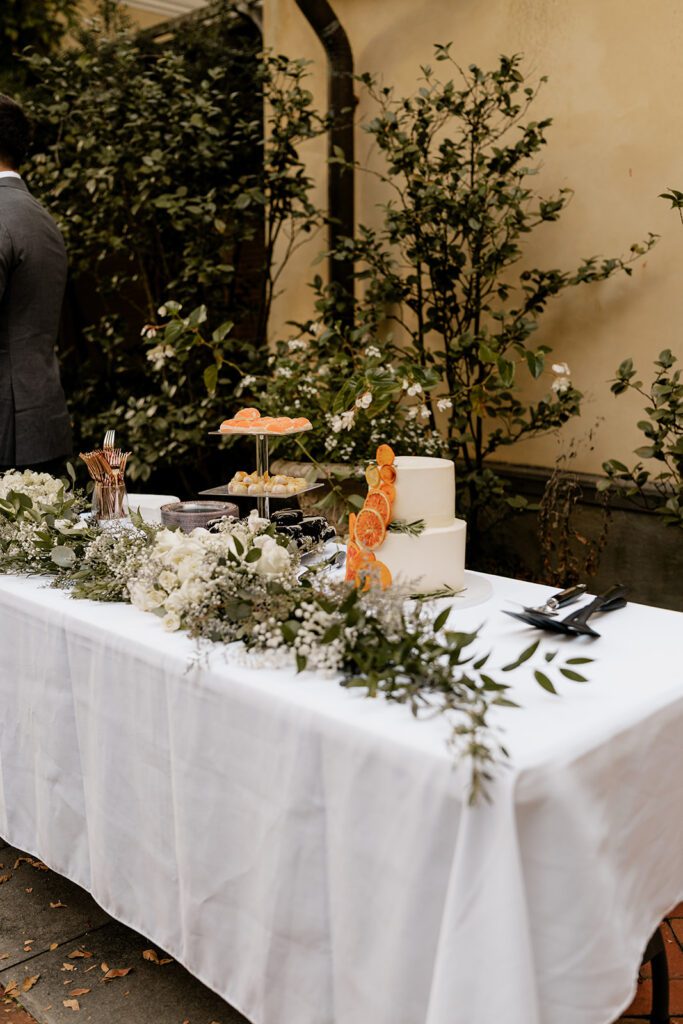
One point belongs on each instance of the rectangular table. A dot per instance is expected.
(310, 854)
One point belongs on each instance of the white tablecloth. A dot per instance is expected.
(310, 854)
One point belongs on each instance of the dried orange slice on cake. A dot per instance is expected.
(380, 502)
(389, 491)
(385, 455)
(373, 573)
(372, 476)
(387, 474)
(370, 529)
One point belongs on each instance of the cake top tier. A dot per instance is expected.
(425, 489)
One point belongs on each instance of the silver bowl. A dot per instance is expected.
(188, 515)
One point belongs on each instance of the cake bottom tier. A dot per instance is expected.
(429, 562)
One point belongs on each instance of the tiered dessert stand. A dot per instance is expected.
(262, 462)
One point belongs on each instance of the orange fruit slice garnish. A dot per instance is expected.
(373, 574)
(370, 529)
(352, 526)
(247, 414)
(387, 474)
(380, 502)
(385, 455)
(389, 491)
(353, 559)
(372, 475)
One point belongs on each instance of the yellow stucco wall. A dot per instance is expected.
(616, 76)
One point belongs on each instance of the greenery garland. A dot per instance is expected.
(244, 583)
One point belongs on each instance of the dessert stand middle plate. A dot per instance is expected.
(262, 462)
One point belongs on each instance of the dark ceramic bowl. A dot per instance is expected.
(188, 515)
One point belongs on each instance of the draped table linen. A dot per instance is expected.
(311, 855)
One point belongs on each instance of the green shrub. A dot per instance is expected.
(153, 161)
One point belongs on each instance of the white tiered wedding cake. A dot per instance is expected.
(425, 493)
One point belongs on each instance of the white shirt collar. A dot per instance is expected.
(9, 174)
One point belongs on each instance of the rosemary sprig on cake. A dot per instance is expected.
(413, 529)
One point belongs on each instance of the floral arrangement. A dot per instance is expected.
(243, 585)
(38, 512)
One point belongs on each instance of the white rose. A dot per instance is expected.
(168, 539)
(274, 558)
(255, 523)
(168, 580)
(189, 568)
(144, 598)
(171, 621)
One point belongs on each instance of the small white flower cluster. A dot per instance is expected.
(314, 622)
(364, 401)
(372, 352)
(342, 421)
(20, 541)
(413, 389)
(247, 381)
(444, 403)
(562, 382)
(283, 371)
(149, 331)
(41, 488)
(159, 355)
(297, 344)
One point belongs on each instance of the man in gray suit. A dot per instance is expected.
(35, 430)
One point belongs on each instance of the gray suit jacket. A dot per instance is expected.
(34, 422)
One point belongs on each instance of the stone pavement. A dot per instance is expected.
(55, 943)
(57, 949)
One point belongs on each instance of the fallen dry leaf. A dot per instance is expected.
(28, 983)
(153, 957)
(117, 972)
(53, 945)
(30, 889)
(83, 953)
(34, 863)
(71, 1004)
(27, 942)
(12, 989)
(4, 878)
(79, 991)
(4, 956)
(68, 967)
(104, 967)
(57, 905)
(186, 1021)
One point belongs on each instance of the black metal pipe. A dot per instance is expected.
(341, 102)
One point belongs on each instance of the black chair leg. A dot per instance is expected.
(656, 954)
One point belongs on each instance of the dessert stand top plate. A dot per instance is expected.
(224, 490)
(262, 431)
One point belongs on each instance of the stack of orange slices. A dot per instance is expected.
(367, 530)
